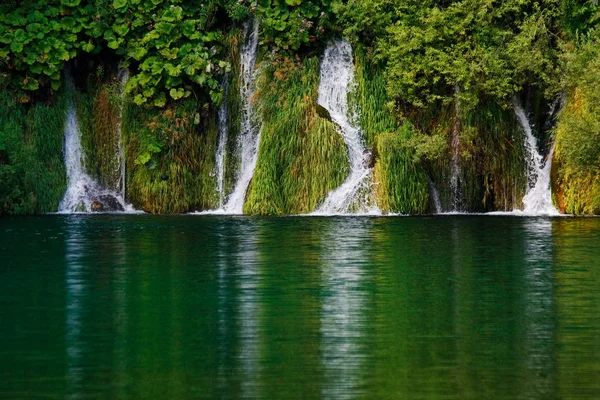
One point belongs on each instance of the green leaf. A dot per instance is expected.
(30, 84)
(16, 47)
(160, 100)
(119, 3)
(177, 93)
(88, 46)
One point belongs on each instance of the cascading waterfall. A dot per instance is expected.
(123, 78)
(455, 171)
(222, 147)
(250, 128)
(337, 79)
(538, 198)
(83, 193)
(435, 196)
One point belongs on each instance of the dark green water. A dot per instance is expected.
(129, 307)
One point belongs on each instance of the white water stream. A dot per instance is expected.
(222, 147)
(337, 80)
(123, 78)
(455, 170)
(250, 129)
(83, 193)
(538, 198)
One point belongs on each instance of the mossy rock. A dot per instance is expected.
(323, 112)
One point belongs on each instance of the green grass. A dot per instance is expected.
(301, 156)
(32, 172)
(170, 159)
(400, 181)
(576, 171)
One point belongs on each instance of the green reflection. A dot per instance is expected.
(186, 307)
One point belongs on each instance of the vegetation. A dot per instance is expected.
(427, 73)
(577, 152)
(32, 173)
(301, 156)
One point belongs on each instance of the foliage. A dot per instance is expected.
(32, 174)
(293, 24)
(170, 158)
(37, 38)
(578, 132)
(485, 48)
(403, 182)
(301, 156)
(174, 47)
(580, 16)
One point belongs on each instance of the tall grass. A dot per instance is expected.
(492, 158)
(400, 180)
(301, 156)
(32, 172)
(170, 158)
(576, 171)
(98, 114)
(234, 107)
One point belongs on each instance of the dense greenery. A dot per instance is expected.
(32, 173)
(301, 156)
(174, 47)
(578, 132)
(435, 83)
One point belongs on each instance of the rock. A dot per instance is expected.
(323, 112)
(96, 205)
(106, 202)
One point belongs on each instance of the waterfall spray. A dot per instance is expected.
(337, 79)
(250, 129)
(222, 146)
(83, 193)
(538, 198)
(455, 170)
(123, 79)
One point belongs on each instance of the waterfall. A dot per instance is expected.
(435, 196)
(83, 193)
(250, 129)
(123, 78)
(222, 146)
(337, 79)
(455, 171)
(538, 198)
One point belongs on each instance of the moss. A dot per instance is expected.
(402, 183)
(234, 107)
(99, 116)
(32, 172)
(301, 156)
(493, 158)
(170, 158)
(577, 155)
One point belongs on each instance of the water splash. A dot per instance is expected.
(123, 79)
(83, 193)
(250, 129)
(222, 146)
(538, 198)
(455, 170)
(435, 196)
(337, 79)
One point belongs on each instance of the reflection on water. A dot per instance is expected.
(76, 293)
(143, 306)
(249, 311)
(343, 321)
(538, 310)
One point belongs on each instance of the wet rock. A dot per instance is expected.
(323, 112)
(107, 202)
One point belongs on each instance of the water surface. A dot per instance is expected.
(139, 306)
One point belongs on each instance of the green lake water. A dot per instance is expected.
(185, 307)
